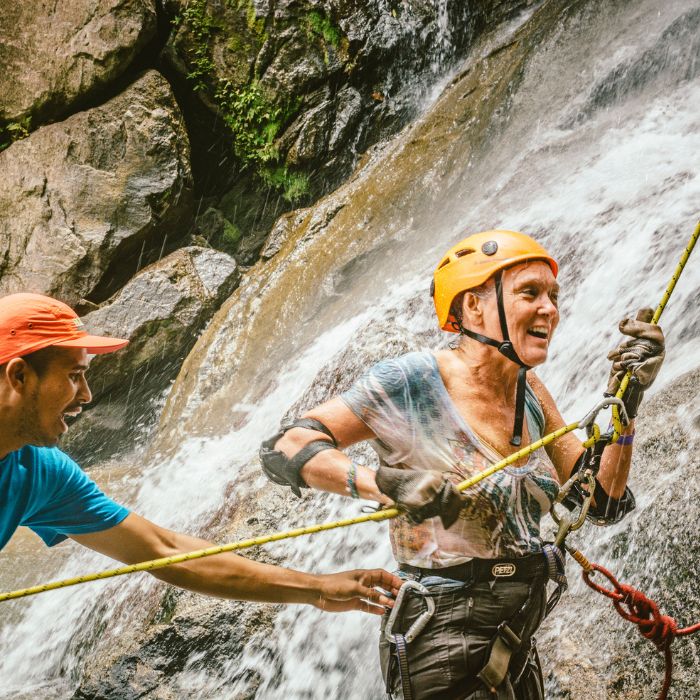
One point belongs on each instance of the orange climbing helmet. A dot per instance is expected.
(473, 260)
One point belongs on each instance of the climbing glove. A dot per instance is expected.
(421, 494)
(642, 355)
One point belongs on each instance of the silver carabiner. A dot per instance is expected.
(604, 403)
(423, 619)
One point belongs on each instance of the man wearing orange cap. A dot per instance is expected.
(44, 354)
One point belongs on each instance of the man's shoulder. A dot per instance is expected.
(44, 459)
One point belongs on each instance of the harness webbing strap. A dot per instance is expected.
(309, 451)
(505, 644)
(310, 424)
(556, 570)
(505, 347)
(401, 656)
(508, 640)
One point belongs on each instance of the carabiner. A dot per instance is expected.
(423, 619)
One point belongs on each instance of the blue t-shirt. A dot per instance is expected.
(44, 489)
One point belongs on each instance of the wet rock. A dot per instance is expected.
(86, 202)
(650, 550)
(215, 632)
(674, 57)
(89, 42)
(313, 136)
(161, 312)
(347, 113)
(326, 81)
(281, 232)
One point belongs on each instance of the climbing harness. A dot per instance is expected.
(659, 628)
(400, 641)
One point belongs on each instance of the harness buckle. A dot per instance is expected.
(423, 619)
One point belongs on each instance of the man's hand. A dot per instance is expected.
(228, 575)
(421, 493)
(642, 355)
(354, 590)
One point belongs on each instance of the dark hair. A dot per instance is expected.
(39, 360)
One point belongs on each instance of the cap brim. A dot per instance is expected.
(94, 344)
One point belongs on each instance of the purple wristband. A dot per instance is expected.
(625, 439)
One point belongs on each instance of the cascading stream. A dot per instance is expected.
(593, 149)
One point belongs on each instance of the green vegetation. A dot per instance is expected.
(201, 26)
(252, 117)
(294, 186)
(231, 235)
(320, 25)
(253, 120)
(14, 131)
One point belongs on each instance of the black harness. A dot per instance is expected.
(505, 347)
(510, 638)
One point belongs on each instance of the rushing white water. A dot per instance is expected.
(597, 157)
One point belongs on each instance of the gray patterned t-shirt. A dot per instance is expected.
(405, 403)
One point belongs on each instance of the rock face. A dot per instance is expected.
(278, 100)
(56, 54)
(650, 550)
(86, 202)
(304, 87)
(161, 312)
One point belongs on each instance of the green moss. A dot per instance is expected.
(320, 25)
(294, 186)
(14, 131)
(231, 234)
(255, 24)
(253, 118)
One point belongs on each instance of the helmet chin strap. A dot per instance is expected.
(505, 347)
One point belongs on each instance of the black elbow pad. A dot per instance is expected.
(286, 471)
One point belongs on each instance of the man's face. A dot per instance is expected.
(59, 391)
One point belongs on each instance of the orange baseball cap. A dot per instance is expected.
(30, 322)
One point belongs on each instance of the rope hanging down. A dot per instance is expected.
(382, 515)
(637, 608)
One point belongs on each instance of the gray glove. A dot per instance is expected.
(642, 355)
(421, 494)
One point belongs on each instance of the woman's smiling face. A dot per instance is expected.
(530, 295)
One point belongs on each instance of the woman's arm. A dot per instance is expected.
(330, 470)
(565, 452)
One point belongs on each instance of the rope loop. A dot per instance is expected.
(639, 609)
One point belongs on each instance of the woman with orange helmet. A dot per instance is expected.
(475, 562)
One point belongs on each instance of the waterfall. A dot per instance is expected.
(590, 143)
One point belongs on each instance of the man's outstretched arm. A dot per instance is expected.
(228, 575)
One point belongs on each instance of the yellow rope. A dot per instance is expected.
(277, 536)
(617, 424)
(372, 517)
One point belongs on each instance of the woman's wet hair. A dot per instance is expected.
(482, 291)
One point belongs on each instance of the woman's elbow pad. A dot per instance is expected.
(286, 471)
